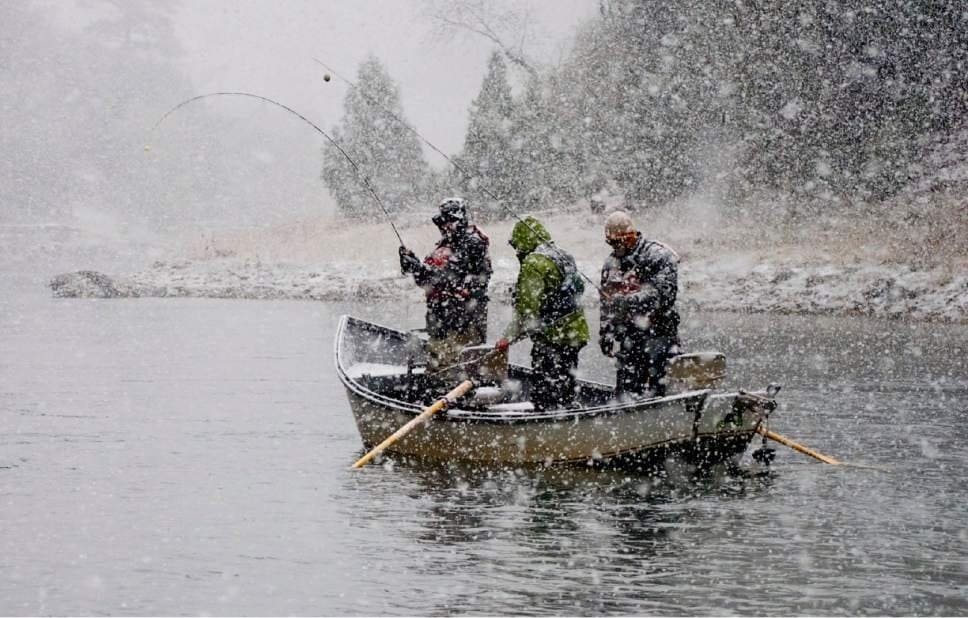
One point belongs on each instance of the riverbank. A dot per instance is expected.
(805, 266)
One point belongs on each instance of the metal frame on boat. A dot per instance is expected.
(380, 368)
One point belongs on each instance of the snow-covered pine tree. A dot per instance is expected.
(385, 150)
(487, 146)
(534, 148)
(590, 116)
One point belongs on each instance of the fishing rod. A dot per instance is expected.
(356, 168)
(460, 168)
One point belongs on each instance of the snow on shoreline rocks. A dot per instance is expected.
(228, 278)
(737, 283)
(823, 289)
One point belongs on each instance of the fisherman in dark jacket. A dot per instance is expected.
(454, 277)
(639, 321)
(547, 308)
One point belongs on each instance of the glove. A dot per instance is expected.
(502, 345)
(409, 262)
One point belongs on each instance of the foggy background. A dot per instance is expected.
(815, 118)
(85, 81)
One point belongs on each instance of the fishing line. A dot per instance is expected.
(456, 165)
(356, 168)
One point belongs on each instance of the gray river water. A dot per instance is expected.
(185, 457)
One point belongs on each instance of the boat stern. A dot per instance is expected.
(729, 421)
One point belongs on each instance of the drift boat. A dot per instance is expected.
(383, 371)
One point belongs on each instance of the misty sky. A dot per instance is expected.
(85, 89)
(268, 48)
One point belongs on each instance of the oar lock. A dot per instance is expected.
(764, 455)
(447, 402)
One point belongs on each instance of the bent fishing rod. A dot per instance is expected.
(356, 168)
(457, 166)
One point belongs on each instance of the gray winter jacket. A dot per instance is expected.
(640, 292)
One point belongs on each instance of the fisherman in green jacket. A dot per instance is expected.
(547, 308)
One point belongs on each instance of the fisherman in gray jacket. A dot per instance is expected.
(639, 321)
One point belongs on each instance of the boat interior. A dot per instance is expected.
(411, 384)
(393, 364)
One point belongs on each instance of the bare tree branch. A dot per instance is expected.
(508, 29)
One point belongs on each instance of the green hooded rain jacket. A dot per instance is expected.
(538, 279)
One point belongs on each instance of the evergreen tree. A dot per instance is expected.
(386, 152)
(851, 87)
(568, 173)
(590, 116)
(76, 125)
(533, 152)
(487, 145)
(642, 93)
(816, 96)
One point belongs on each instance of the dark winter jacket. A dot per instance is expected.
(639, 293)
(455, 277)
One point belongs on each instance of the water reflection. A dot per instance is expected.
(553, 540)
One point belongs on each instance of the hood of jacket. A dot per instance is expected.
(528, 234)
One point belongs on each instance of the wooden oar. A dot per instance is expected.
(459, 391)
(797, 447)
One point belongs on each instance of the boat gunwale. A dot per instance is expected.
(473, 416)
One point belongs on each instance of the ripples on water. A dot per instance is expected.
(191, 457)
(551, 542)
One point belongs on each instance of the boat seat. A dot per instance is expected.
(495, 399)
(695, 371)
(488, 395)
(377, 370)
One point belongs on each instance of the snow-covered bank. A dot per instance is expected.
(724, 268)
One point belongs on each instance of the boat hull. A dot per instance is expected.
(700, 427)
